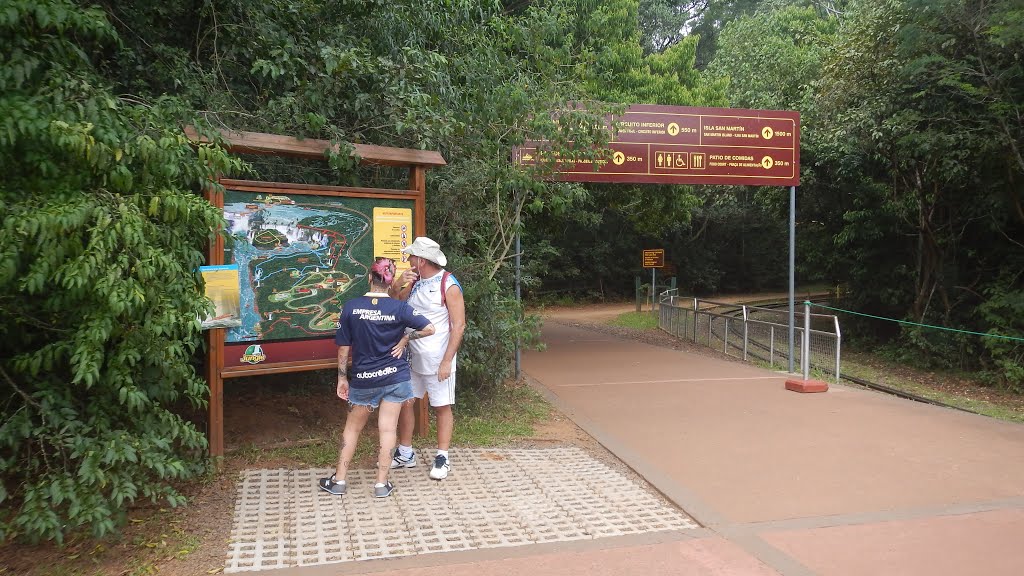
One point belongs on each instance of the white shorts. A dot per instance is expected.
(439, 393)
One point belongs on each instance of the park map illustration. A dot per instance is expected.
(300, 258)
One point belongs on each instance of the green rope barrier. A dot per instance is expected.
(916, 324)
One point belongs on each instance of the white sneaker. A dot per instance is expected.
(399, 461)
(440, 469)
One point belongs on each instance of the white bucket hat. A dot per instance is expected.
(426, 248)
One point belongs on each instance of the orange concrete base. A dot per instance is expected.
(806, 385)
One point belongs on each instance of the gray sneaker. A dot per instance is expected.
(383, 491)
(399, 461)
(330, 485)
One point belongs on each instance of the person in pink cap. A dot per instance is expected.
(370, 327)
(437, 294)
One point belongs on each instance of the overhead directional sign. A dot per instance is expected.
(654, 258)
(683, 145)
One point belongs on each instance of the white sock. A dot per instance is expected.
(443, 453)
(405, 451)
(379, 485)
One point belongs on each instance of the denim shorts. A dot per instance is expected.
(372, 397)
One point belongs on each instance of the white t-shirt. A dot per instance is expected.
(426, 353)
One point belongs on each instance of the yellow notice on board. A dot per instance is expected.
(223, 289)
(392, 231)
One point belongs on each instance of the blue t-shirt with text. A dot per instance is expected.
(372, 325)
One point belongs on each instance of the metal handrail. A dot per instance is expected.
(755, 307)
(745, 313)
(672, 294)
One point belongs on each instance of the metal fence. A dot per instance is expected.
(755, 333)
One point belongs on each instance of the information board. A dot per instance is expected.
(222, 288)
(392, 231)
(300, 256)
(654, 258)
(684, 145)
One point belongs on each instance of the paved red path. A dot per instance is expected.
(848, 482)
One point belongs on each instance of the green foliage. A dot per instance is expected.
(716, 15)
(467, 78)
(99, 296)
(494, 324)
(919, 116)
(621, 72)
(1004, 313)
(664, 23)
(733, 243)
(773, 58)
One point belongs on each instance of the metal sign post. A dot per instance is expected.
(653, 259)
(792, 273)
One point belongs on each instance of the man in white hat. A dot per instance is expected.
(436, 294)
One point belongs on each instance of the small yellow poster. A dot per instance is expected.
(223, 289)
(392, 231)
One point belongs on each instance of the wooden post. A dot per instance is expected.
(214, 361)
(215, 343)
(418, 182)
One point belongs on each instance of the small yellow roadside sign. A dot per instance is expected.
(654, 258)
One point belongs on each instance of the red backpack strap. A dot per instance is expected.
(444, 291)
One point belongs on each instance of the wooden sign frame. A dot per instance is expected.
(301, 350)
(417, 162)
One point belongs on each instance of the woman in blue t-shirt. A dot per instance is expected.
(370, 327)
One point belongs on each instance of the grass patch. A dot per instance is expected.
(497, 417)
(494, 417)
(885, 377)
(636, 321)
(316, 453)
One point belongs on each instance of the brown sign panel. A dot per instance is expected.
(654, 258)
(683, 145)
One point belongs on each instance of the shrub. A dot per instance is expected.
(99, 296)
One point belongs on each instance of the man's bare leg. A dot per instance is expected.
(445, 426)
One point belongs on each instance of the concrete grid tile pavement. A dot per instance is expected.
(494, 498)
